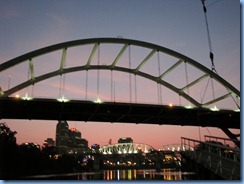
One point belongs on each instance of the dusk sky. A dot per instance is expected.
(179, 25)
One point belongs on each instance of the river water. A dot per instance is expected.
(128, 174)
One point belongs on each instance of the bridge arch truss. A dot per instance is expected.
(126, 43)
(176, 147)
(126, 148)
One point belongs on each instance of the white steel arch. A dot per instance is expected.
(96, 42)
(126, 148)
(176, 147)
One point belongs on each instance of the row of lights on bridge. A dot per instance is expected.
(99, 101)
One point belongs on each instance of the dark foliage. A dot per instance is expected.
(19, 162)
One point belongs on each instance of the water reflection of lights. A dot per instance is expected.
(145, 174)
(120, 174)
(130, 174)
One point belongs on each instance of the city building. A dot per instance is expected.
(62, 134)
(75, 139)
(69, 140)
(125, 140)
(95, 148)
(49, 142)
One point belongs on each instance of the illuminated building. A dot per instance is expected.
(69, 140)
(75, 139)
(125, 140)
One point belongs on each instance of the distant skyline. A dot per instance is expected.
(175, 24)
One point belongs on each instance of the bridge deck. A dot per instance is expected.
(51, 109)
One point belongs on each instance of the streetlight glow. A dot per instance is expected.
(170, 105)
(98, 100)
(214, 108)
(62, 99)
(26, 97)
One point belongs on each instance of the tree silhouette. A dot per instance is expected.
(8, 151)
(7, 136)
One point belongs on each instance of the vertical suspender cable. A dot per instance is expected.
(111, 85)
(31, 76)
(9, 80)
(28, 77)
(158, 93)
(60, 85)
(130, 89)
(212, 88)
(135, 90)
(159, 85)
(32, 91)
(63, 86)
(211, 55)
(64, 80)
(114, 91)
(98, 71)
(187, 81)
(62, 77)
(86, 82)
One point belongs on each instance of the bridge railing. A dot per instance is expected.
(224, 141)
(212, 147)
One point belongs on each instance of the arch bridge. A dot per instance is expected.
(126, 148)
(176, 147)
(190, 109)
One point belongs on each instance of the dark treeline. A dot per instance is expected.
(18, 161)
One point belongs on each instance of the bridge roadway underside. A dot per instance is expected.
(51, 109)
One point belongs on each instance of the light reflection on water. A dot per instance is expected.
(151, 174)
(129, 174)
